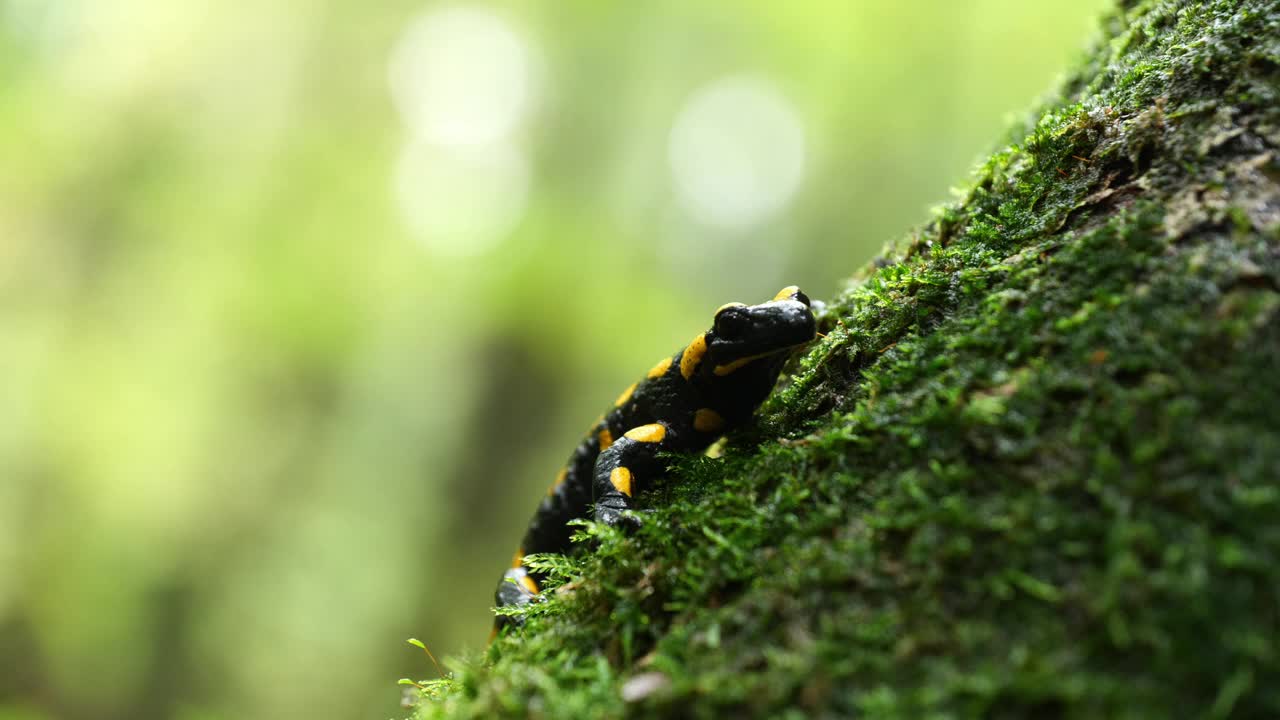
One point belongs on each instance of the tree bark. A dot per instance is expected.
(1032, 470)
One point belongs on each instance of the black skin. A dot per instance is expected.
(748, 344)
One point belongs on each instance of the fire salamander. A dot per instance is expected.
(683, 404)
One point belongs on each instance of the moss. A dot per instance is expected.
(1030, 471)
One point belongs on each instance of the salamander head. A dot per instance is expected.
(743, 333)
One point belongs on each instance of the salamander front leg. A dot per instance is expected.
(622, 467)
(517, 588)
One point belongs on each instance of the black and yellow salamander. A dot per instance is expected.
(683, 404)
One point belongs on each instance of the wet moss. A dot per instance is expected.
(1032, 470)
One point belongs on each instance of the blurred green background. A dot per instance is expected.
(302, 304)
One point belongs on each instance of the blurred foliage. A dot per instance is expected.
(249, 408)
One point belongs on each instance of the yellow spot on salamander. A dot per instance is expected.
(518, 559)
(786, 293)
(651, 433)
(625, 396)
(692, 355)
(729, 305)
(621, 480)
(529, 584)
(660, 369)
(606, 439)
(707, 420)
(722, 370)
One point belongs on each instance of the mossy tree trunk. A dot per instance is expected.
(1032, 470)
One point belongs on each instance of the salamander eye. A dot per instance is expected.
(803, 298)
(731, 320)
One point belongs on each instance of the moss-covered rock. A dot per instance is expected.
(1032, 470)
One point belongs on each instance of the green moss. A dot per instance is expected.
(1030, 471)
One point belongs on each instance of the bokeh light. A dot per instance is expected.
(464, 82)
(462, 201)
(737, 152)
(462, 76)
